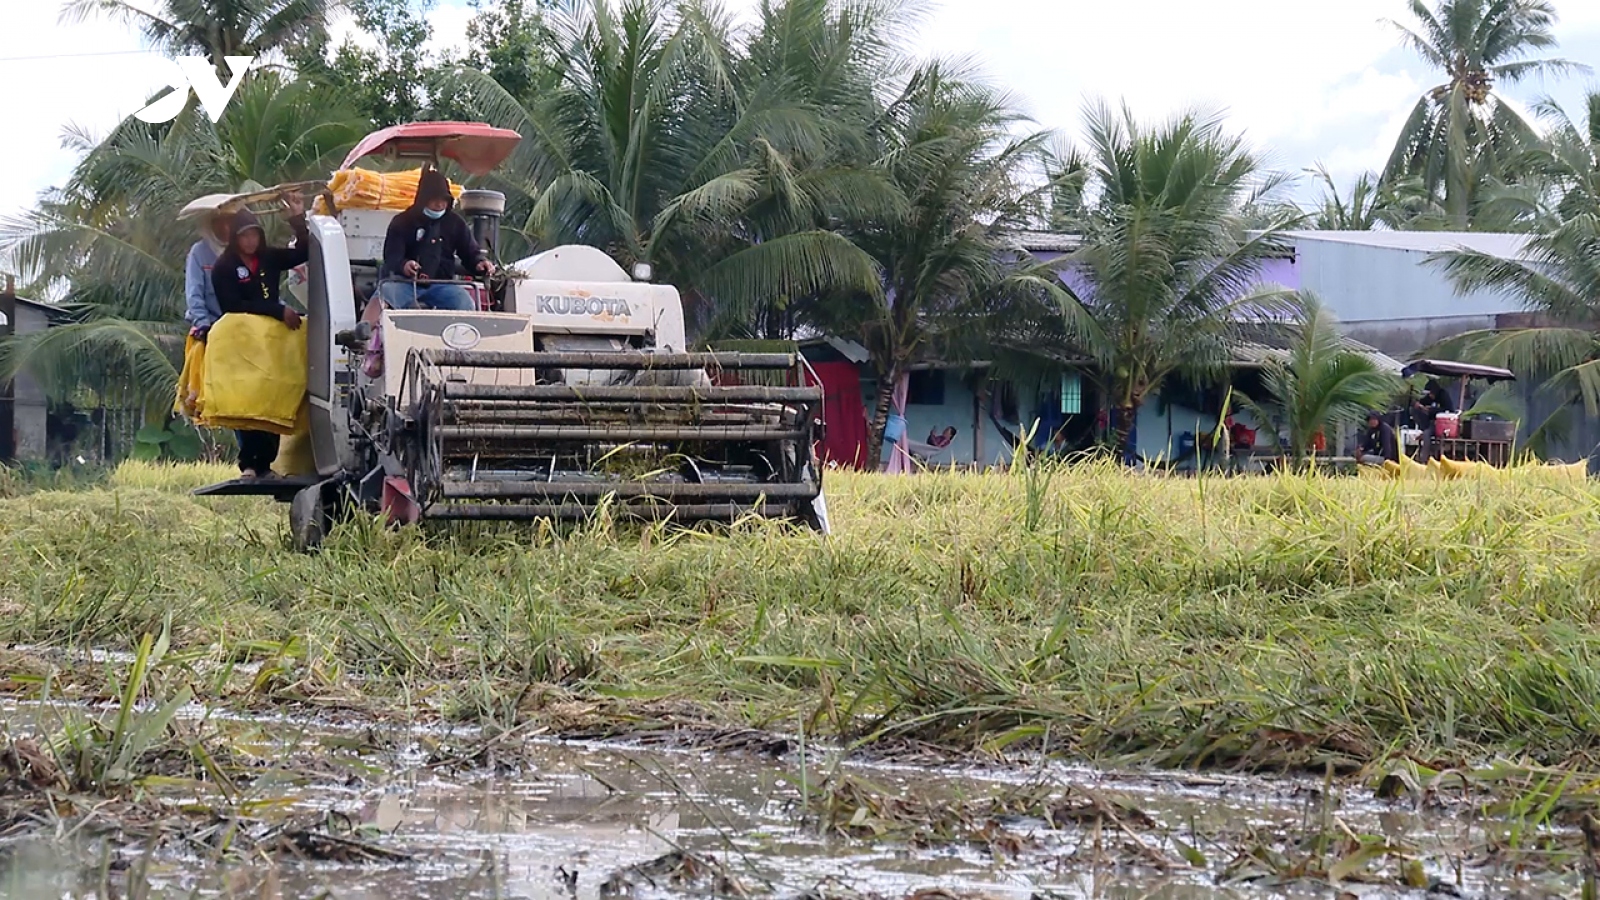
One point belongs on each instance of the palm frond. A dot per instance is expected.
(794, 265)
(141, 357)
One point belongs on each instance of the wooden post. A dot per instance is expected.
(979, 396)
(8, 400)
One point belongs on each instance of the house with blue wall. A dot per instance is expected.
(1392, 299)
(1391, 302)
(990, 408)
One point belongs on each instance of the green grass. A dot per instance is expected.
(1273, 620)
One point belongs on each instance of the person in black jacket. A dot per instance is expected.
(1378, 443)
(247, 278)
(422, 246)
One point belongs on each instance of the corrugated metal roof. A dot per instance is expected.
(845, 347)
(1496, 243)
(1261, 342)
(1508, 246)
(1046, 241)
(1274, 341)
(52, 312)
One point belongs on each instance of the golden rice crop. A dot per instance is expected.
(1181, 620)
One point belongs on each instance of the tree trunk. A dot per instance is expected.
(1122, 419)
(1457, 203)
(1457, 194)
(880, 417)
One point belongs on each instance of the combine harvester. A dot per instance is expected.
(572, 388)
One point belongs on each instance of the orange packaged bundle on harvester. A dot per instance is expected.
(367, 189)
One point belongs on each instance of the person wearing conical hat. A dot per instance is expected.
(200, 298)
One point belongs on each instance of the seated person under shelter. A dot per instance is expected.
(1435, 399)
(422, 246)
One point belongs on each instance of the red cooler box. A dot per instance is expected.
(1447, 426)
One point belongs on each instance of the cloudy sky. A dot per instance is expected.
(1306, 80)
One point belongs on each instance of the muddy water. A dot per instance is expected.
(574, 816)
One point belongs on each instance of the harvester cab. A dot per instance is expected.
(569, 389)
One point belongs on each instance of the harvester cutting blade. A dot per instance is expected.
(674, 436)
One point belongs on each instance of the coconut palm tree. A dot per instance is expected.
(1373, 204)
(1321, 385)
(213, 28)
(1557, 276)
(948, 144)
(1461, 137)
(1166, 272)
(109, 242)
(1570, 158)
(663, 143)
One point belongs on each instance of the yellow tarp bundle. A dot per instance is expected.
(191, 380)
(366, 189)
(1578, 471)
(294, 451)
(1450, 469)
(256, 376)
(1406, 469)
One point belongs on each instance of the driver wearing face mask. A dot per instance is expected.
(422, 246)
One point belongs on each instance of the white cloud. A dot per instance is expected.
(92, 75)
(1366, 151)
(68, 76)
(343, 27)
(449, 25)
(1313, 79)
(1266, 62)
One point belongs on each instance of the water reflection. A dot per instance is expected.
(579, 815)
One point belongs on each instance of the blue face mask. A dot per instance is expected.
(433, 213)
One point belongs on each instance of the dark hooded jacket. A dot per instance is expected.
(435, 244)
(251, 285)
(1381, 441)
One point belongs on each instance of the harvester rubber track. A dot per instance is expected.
(650, 436)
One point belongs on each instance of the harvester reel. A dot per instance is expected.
(486, 436)
(416, 439)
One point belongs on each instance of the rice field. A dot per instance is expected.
(1288, 621)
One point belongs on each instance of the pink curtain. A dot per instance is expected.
(900, 455)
